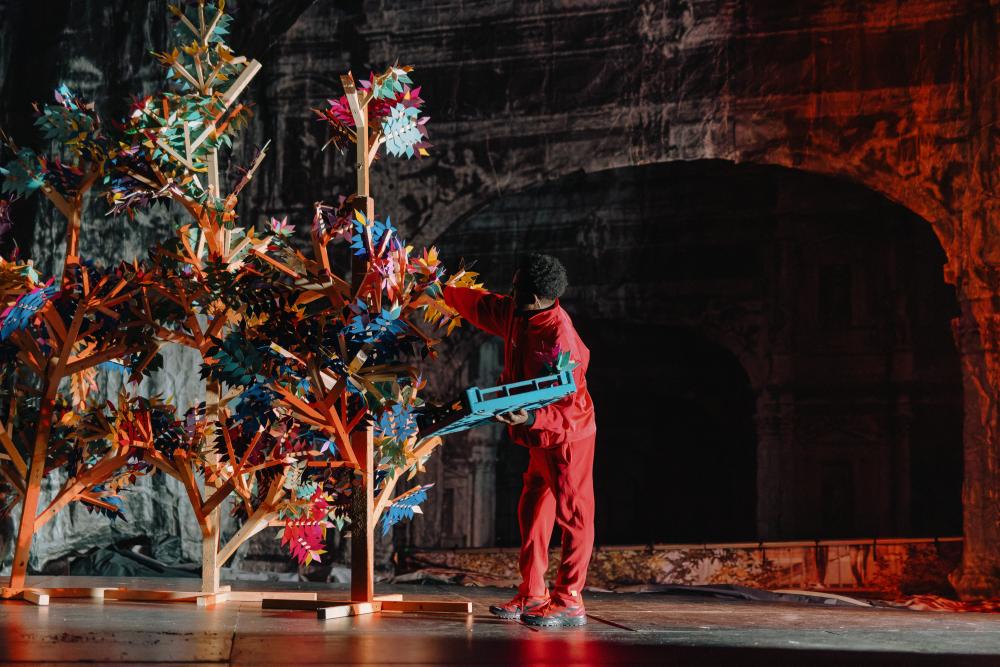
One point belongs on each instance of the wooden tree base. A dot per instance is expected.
(201, 598)
(360, 600)
(327, 608)
(40, 596)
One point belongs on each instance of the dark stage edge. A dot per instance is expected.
(624, 629)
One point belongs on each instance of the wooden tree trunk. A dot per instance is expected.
(29, 508)
(977, 334)
(210, 543)
(362, 521)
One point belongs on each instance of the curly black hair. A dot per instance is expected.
(543, 275)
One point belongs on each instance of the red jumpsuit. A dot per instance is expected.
(559, 482)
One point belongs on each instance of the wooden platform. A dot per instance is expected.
(624, 629)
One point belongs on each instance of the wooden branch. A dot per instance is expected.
(256, 522)
(374, 149)
(35, 365)
(194, 494)
(59, 371)
(262, 466)
(177, 156)
(219, 496)
(98, 357)
(297, 403)
(74, 486)
(54, 323)
(422, 450)
(216, 326)
(242, 81)
(228, 97)
(275, 263)
(253, 445)
(88, 181)
(201, 20)
(179, 13)
(253, 168)
(16, 480)
(211, 28)
(180, 69)
(360, 115)
(96, 502)
(57, 200)
(382, 500)
(329, 464)
(13, 453)
(187, 140)
(160, 462)
(199, 73)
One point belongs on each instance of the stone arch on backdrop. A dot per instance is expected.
(764, 85)
(480, 187)
(748, 332)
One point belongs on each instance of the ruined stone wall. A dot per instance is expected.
(755, 333)
(897, 96)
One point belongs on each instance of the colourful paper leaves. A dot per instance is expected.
(397, 423)
(404, 507)
(403, 130)
(20, 315)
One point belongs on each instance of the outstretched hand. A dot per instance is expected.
(513, 418)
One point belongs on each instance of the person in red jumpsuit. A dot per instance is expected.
(558, 485)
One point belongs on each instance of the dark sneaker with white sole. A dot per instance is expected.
(519, 605)
(554, 615)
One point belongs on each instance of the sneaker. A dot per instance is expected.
(554, 615)
(520, 604)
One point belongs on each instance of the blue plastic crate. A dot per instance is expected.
(480, 406)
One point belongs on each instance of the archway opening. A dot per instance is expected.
(826, 302)
(677, 457)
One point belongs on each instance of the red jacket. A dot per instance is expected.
(532, 340)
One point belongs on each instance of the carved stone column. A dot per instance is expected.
(977, 334)
(901, 416)
(484, 494)
(775, 419)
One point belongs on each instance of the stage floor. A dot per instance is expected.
(652, 629)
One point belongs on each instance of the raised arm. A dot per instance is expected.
(485, 310)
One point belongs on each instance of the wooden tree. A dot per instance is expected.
(170, 150)
(365, 326)
(55, 333)
(309, 405)
(278, 331)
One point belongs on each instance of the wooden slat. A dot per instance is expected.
(325, 609)
(70, 592)
(345, 610)
(428, 605)
(259, 596)
(126, 594)
(35, 597)
(295, 604)
(212, 599)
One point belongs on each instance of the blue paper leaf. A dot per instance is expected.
(401, 130)
(19, 315)
(403, 507)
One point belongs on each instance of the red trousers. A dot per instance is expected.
(558, 488)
